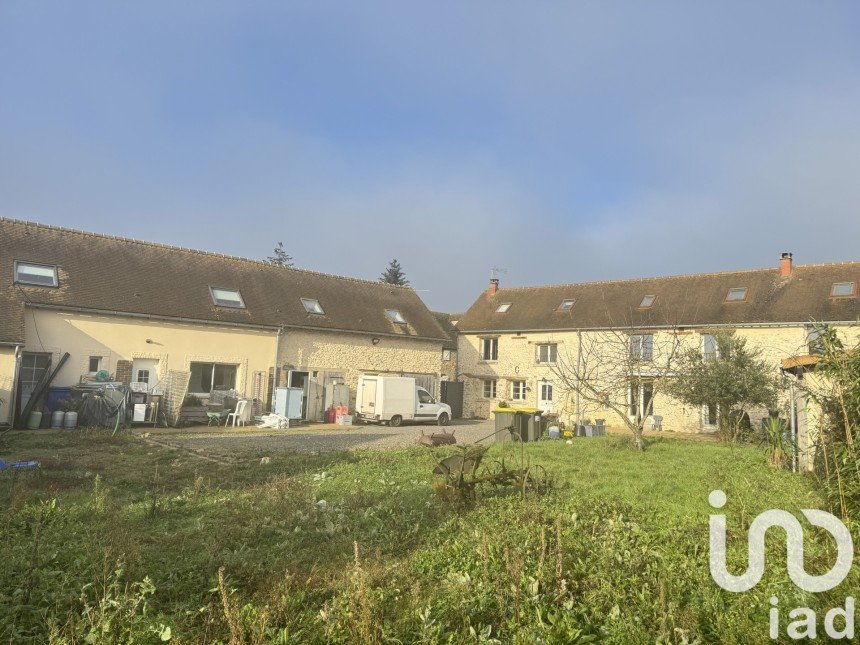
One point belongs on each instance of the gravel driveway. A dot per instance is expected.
(252, 442)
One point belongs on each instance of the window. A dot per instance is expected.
(312, 306)
(566, 305)
(206, 377)
(33, 368)
(424, 397)
(737, 294)
(546, 392)
(40, 275)
(503, 308)
(647, 301)
(641, 399)
(547, 353)
(143, 376)
(395, 316)
(814, 343)
(490, 349)
(490, 389)
(446, 354)
(95, 364)
(227, 298)
(642, 347)
(709, 414)
(709, 347)
(843, 289)
(518, 390)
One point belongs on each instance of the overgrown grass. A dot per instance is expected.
(114, 540)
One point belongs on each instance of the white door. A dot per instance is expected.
(428, 408)
(545, 395)
(145, 370)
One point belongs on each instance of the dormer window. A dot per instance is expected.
(39, 275)
(227, 298)
(843, 290)
(647, 301)
(566, 305)
(503, 308)
(736, 294)
(395, 316)
(312, 306)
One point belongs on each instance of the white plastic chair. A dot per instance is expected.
(657, 423)
(242, 414)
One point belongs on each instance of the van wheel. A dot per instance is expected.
(396, 420)
(443, 419)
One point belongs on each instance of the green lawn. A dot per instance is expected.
(120, 541)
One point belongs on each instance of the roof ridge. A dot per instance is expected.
(673, 276)
(174, 247)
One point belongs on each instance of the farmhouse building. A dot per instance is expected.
(514, 342)
(140, 310)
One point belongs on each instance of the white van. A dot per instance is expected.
(395, 399)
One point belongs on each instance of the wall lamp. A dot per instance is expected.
(375, 341)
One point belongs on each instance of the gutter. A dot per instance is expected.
(545, 330)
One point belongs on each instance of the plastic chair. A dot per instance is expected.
(242, 414)
(657, 423)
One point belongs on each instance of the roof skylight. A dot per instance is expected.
(40, 275)
(312, 306)
(736, 294)
(503, 308)
(565, 305)
(395, 316)
(843, 289)
(227, 298)
(647, 301)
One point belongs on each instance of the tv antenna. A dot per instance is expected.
(495, 271)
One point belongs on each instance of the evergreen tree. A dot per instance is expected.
(280, 257)
(394, 274)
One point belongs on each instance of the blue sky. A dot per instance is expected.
(560, 141)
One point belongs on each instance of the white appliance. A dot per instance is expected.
(288, 402)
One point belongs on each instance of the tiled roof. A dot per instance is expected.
(685, 300)
(448, 327)
(113, 274)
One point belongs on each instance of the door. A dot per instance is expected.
(301, 380)
(545, 396)
(428, 408)
(367, 396)
(33, 368)
(145, 371)
(452, 394)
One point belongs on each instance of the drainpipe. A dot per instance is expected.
(793, 415)
(13, 398)
(275, 366)
(578, 376)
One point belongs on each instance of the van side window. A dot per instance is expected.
(424, 397)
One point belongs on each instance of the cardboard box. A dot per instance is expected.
(344, 420)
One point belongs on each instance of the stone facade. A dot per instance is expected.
(518, 361)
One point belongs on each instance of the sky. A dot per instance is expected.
(560, 142)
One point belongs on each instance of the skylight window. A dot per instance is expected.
(737, 294)
(227, 298)
(647, 301)
(312, 306)
(395, 316)
(40, 275)
(503, 308)
(843, 289)
(566, 305)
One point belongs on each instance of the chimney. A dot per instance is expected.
(785, 265)
(494, 286)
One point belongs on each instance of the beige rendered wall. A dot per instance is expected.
(355, 354)
(7, 375)
(174, 345)
(518, 361)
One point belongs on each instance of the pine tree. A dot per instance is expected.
(281, 258)
(394, 274)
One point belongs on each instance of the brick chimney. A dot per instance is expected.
(785, 263)
(494, 286)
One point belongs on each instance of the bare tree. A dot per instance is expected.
(620, 370)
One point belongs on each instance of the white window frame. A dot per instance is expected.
(566, 305)
(395, 316)
(491, 385)
(650, 298)
(503, 308)
(638, 347)
(551, 353)
(543, 389)
(518, 387)
(35, 265)
(705, 417)
(641, 383)
(222, 302)
(836, 285)
(446, 354)
(709, 356)
(98, 360)
(312, 306)
(735, 290)
(494, 345)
